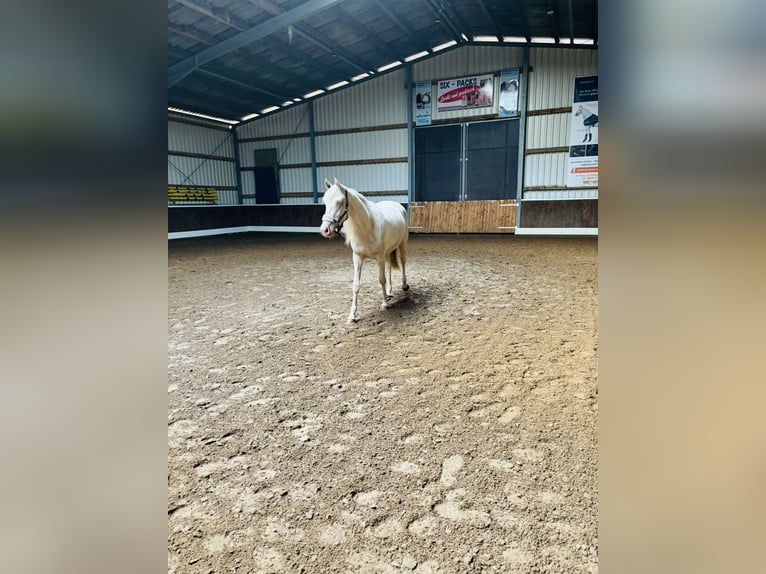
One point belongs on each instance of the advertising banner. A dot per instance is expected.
(467, 92)
(583, 134)
(423, 103)
(509, 93)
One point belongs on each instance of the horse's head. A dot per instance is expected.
(335, 208)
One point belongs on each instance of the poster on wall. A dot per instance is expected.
(509, 93)
(583, 134)
(462, 93)
(423, 103)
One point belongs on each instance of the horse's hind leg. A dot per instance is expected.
(358, 262)
(389, 285)
(403, 262)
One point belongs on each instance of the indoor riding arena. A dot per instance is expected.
(453, 429)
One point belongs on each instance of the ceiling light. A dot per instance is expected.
(520, 39)
(416, 56)
(360, 77)
(297, 99)
(314, 93)
(269, 109)
(287, 103)
(443, 46)
(485, 39)
(337, 85)
(583, 41)
(205, 116)
(389, 66)
(250, 117)
(464, 37)
(543, 40)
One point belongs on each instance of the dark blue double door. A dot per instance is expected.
(466, 162)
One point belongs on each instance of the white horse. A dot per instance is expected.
(373, 230)
(589, 119)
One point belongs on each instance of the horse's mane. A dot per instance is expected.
(360, 216)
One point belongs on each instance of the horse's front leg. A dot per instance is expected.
(382, 278)
(358, 262)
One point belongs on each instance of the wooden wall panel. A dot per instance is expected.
(495, 216)
(560, 213)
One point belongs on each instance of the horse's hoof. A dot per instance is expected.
(351, 320)
(406, 288)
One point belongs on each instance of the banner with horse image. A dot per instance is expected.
(509, 93)
(467, 92)
(583, 134)
(423, 103)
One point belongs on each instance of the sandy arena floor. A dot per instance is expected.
(455, 432)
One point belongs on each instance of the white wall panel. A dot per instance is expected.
(287, 200)
(248, 183)
(561, 194)
(194, 139)
(291, 120)
(545, 169)
(377, 102)
(362, 145)
(295, 180)
(293, 150)
(200, 171)
(554, 71)
(227, 197)
(550, 130)
(376, 177)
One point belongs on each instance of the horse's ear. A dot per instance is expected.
(341, 186)
(327, 184)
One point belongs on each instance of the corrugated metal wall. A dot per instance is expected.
(382, 102)
(195, 139)
(551, 86)
(471, 60)
(378, 102)
(293, 147)
(293, 119)
(195, 171)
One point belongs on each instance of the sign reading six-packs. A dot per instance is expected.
(467, 92)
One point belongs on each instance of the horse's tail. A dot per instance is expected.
(393, 260)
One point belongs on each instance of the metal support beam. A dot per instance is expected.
(313, 148)
(410, 143)
(354, 24)
(179, 71)
(276, 96)
(491, 20)
(192, 34)
(553, 18)
(571, 24)
(522, 134)
(454, 18)
(218, 14)
(523, 17)
(237, 164)
(398, 21)
(444, 21)
(310, 34)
